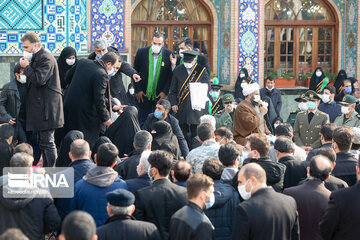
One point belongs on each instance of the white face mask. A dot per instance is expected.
(326, 98)
(275, 126)
(22, 79)
(257, 98)
(131, 91)
(270, 89)
(242, 75)
(345, 110)
(243, 85)
(318, 74)
(181, 53)
(189, 65)
(303, 106)
(242, 191)
(156, 49)
(28, 55)
(70, 62)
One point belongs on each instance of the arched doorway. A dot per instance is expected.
(300, 35)
(175, 19)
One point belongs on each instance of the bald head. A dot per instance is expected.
(79, 149)
(182, 171)
(253, 170)
(320, 167)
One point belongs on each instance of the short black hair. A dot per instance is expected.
(316, 172)
(327, 152)
(110, 57)
(213, 168)
(284, 145)
(228, 153)
(6, 131)
(162, 161)
(327, 131)
(224, 132)
(182, 170)
(17, 68)
(32, 37)
(270, 78)
(107, 154)
(78, 225)
(331, 89)
(165, 103)
(187, 41)
(343, 136)
(284, 129)
(205, 131)
(158, 35)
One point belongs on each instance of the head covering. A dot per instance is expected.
(165, 139)
(122, 131)
(216, 86)
(312, 95)
(120, 198)
(316, 82)
(348, 99)
(277, 119)
(238, 88)
(101, 140)
(339, 81)
(63, 66)
(63, 159)
(189, 55)
(301, 97)
(228, 97)
(250, 88)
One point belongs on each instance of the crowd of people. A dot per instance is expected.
(170, 156)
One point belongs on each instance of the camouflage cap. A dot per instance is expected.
(228, 98)
(311, 95)
(348, 99)
(301, 97)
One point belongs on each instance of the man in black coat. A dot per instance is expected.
(13, 103)
(345, 160)
(127, 168)
(163, 107)
(143, 180)
(180, 96)
(85, 101)
(265, 214)
(342, 217)
(190, 222)
(117, 88)
(35, 216)
(155, 65)
(295, 169)
(157, 203)
(44, 106)
(6, 150)
(187, 44)
(122, 225)
(312, 198)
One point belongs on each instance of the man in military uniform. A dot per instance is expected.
(302, 107)
(215, 103)
(308, 123)
(224, 117)
(349, 117)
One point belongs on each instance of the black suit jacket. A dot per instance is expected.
(342, 217)
(266, 215)
(157, 203)
(295, 171)
(311, 199)
(141, 65)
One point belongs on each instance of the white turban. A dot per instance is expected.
(250, 88)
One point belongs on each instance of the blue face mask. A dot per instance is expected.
(348, 90)
(211, 201)
(98, 56)
(214, 95)
(112, 74)
(311, 105)
(158, 114)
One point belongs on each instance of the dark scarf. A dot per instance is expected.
(63, 159)
(63, 66)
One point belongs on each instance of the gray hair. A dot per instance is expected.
(142, 139)
(100, 43)
(20, 163)
(208, 119)
(120, 210)
(144, 161)
(79, 148)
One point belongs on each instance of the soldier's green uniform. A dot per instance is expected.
(224, 119)
(354, 119)
(292, 116)
(305, 133)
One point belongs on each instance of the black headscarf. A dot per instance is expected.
(238, 88)
(164, 139)
(101, 140)
(63, 66)
(63, 159)
(123, 130)
(339, 81)
(131, 98)
(316, 82)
